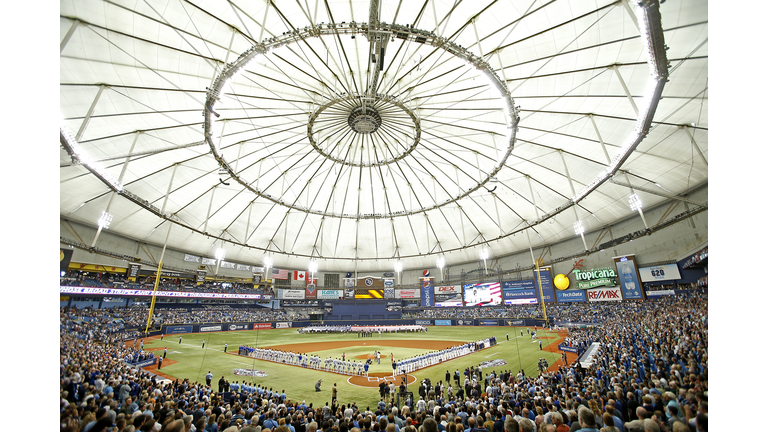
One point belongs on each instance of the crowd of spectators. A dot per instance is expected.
(650, 373)
(114, 280)
(119, 318)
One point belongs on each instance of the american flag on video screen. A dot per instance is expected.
(279, 274)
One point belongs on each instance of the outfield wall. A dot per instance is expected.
(175, 329)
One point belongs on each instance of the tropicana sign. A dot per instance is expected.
(594, 278)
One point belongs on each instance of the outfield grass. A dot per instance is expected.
(195, 362)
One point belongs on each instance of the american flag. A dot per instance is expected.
(279, 274)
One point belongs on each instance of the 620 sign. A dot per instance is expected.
(657, 272)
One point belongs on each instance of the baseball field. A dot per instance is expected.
(186, 358)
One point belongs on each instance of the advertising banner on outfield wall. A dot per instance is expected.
(283, 325)
(349, 293)
(464, 322)
(604, 294)
(659, 273)
(626, 267)
(512, 323)
(178, 329)
(210, 328)
(442, 322)
(236, 327)
(389, 293)
(423, 322)
(330, 294)
(570, 296)
(262, 326)
(407, 293)
(488, 322)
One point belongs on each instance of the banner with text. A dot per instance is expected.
(448, 296)
(659, 273)
(546, 284)
(570, 296)
(604, 294)
(427, 295)
(626, 267)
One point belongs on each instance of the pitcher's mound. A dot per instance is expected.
(373, 379)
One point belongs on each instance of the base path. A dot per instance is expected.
(373, 379)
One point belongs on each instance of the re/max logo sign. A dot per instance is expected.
(605, 295)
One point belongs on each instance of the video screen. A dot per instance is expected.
(484, 294)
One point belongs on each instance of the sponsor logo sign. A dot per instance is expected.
(604, 294)
(209, 261)
(659, 293)
(262, 326)
(427, 297)
(330, 294)
(389, 283)
(426, 273)
(452, 289)
(466, 322)
(349, 293)
(388, 275)
(631, 287)
(515, 322)
(493, 363)
(570, 296)
(566, 348)
(178, 329)
(488, 322)
(423, 322)
(407, 293)
(233, 327)
(283, 325)
(389, 293)
(210, 328)
(518, 285)
(659, 273)
(249, 372)
(145, 363)
(290, 294)
(591, 274)
(443, 322)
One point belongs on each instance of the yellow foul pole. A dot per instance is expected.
(154, 291)
(541, 292)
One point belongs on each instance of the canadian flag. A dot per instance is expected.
(299, 275)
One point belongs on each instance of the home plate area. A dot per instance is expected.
(373, 379)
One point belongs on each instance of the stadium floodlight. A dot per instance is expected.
(267, 262)
(313, 267)
(634, 202)
(398, 267)
(220, 254)
(105, 220)
(578, 228)
(440, 262)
